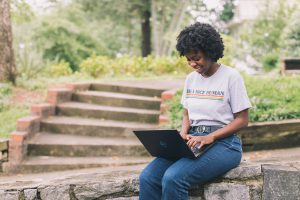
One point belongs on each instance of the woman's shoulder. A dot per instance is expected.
(231, 72)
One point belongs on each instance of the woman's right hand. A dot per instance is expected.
(184, 136)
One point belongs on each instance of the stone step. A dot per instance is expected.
(127, 89)
(49, 144)
(117, 99)
(37, 164)
(108, 112)
(92, 127)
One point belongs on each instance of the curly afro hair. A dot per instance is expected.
(200, 36)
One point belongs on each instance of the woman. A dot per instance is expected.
(215, 105)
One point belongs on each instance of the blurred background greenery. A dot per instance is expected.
(73, 40)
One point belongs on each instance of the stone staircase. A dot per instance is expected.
(94, 129)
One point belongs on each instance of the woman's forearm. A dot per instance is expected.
(240, 121)
(185, 125)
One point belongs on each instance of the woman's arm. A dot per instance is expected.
(240, 121)
(185, 125)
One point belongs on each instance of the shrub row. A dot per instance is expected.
(275, 98)
(99, 66)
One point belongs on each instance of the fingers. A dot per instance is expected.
(193, 140)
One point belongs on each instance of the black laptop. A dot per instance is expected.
(168, 144)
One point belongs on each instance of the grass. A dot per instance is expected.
(8, 119)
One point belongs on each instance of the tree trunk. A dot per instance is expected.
(155, 28)
(170, 34)
(146, 31)
(7, 58)
(179, 20)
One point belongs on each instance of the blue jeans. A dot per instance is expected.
(171, 179)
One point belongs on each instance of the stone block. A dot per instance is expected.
(163, 120)
(56, 192)
(59, 95)
(244, 171)
(126, 198)
(226, 191)
(17, 147)
(44, 110)
(30, 194)
(256, 190)
(3, 144)
(30, 124)
(9, 195)
(281, 182)
(97, 190)
(18, 137)
(167, 95)
(163, 108)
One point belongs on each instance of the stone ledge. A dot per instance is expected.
(281, 181)
(121, 183)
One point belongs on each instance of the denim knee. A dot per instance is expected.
(144, 177)
(171, 180)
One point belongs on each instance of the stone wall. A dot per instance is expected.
(249, 181)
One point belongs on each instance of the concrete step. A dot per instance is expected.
(92, 127)
(117, 99)
(37, 164)
(108, 112)
(127, 89)
(48, 144)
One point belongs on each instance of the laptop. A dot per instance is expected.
(168, 144)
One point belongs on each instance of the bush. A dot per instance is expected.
(99, 66)
(65, 34)
(96, 66)
(272, 99)
(291, 37)
(270, 61)
(60, 69)
(263, 35)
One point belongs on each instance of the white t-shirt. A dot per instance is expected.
(213, 100)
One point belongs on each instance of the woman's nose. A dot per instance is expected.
(192, 63)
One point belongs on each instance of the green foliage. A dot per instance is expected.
(228, 11)
(21, 11)
(64, 35)
(175, 111)
(272, 99)
(270, 61)
(8, 113)
(96, 66)
(5, 91)
(60, 69)
(229, 44)
(29, 61)
(8, 119)
(291, 37)
(263, 36)
(99, 66)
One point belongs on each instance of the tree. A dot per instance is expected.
(7, 58)
(160, 20)
(146, 28)
(291, 37)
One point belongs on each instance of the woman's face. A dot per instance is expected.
(198, 62)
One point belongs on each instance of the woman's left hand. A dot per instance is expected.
(202, 140)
